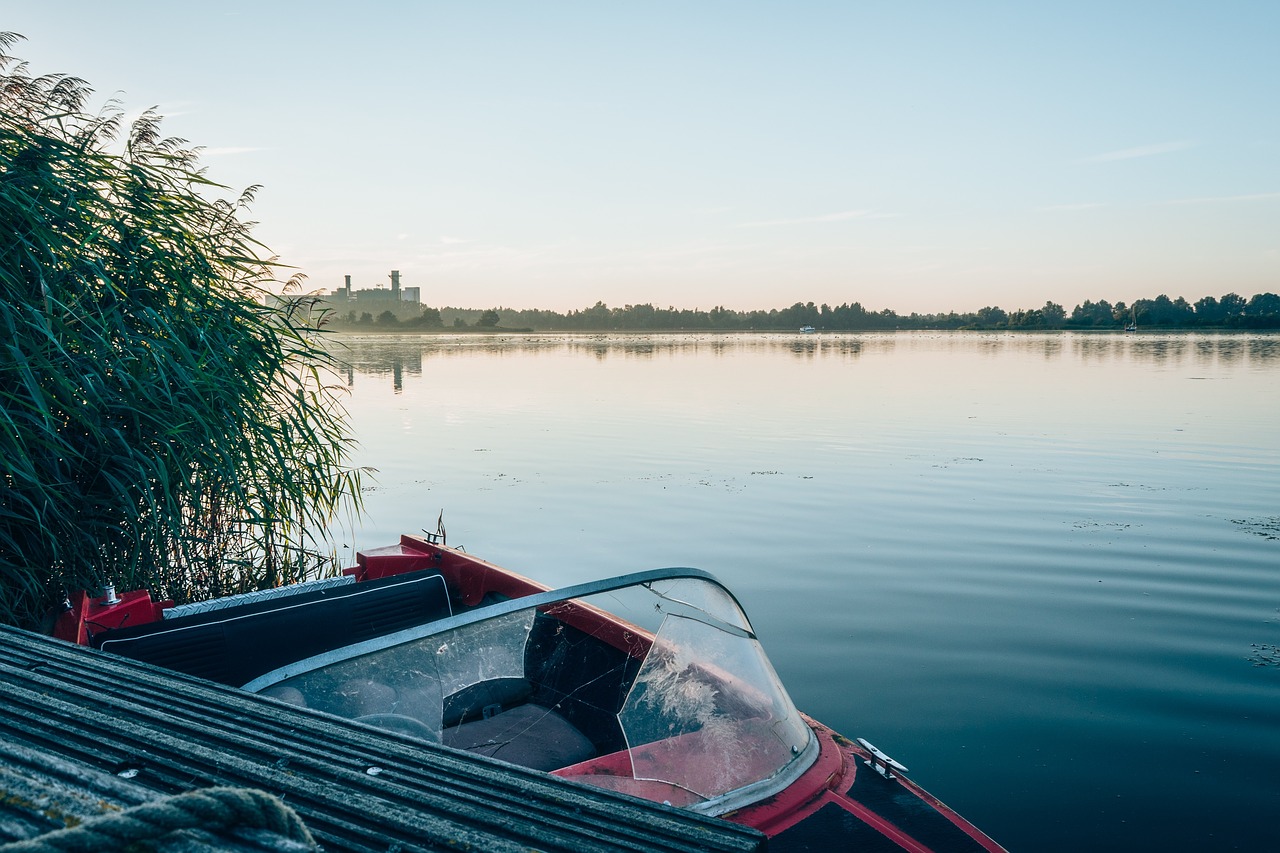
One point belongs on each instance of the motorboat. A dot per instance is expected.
(652, 685)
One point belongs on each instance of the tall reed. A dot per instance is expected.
(164, 422)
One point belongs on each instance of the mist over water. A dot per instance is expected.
(1042, 571)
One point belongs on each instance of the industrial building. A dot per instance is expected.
(404, 302)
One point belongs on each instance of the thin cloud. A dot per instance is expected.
(1140, 151)
(228, 151)
(132, 114)
(1086, 205)
(826, 217)
(1226, 198)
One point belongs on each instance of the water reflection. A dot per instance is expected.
(1206, 353)
(806, 346)
(1158, 349)
(378, 356)
(1263, 348)
(1095, 348)
(399, 356)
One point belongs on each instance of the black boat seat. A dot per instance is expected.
(484, 698)
(237, 644)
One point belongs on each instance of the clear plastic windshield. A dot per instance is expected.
(658, 689)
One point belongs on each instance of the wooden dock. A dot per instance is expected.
(77, 720)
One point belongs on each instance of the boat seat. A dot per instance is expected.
(484, 698)
(528, 735)
(495, 717)
(237, 644)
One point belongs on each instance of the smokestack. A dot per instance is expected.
(395, 282)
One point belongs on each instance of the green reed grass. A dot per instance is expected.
(164, 422)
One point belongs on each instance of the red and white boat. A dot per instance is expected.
(651, 684)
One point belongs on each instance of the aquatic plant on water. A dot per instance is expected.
(164, 422)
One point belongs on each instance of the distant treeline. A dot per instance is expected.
(1262, 311)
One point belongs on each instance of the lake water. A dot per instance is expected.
(1042, 571)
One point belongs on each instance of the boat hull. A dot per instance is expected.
(843, 803)
(848, 797)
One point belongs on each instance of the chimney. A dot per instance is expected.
(395, 283)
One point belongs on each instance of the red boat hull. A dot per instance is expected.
(841, 802)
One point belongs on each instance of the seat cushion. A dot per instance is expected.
(528, 735)
(483, 698)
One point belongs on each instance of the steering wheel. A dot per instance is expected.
(402, 724)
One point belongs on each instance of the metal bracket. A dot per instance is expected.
(879, 762)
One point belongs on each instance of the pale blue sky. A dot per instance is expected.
(907, 155)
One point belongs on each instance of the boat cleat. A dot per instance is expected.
(109, 597)
(879, 762)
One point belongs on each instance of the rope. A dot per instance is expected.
(210, 809)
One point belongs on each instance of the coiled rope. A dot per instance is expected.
(210, 809)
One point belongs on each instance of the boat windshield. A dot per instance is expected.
(653, 685)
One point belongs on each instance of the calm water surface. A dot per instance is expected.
(1043, 571)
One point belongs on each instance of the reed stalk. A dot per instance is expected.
(165, 421)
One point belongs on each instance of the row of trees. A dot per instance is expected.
(1262, 310)
(1231, 311)
(430, 318)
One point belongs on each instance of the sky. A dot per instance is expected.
(917, 156)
